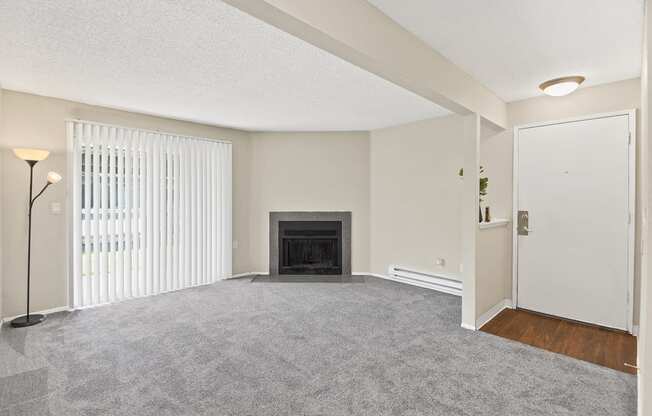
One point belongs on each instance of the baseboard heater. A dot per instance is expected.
(440, 283)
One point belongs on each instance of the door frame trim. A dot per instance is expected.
(631, 201)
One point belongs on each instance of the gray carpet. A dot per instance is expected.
(270, 348)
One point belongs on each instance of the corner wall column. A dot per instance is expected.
(469, 222)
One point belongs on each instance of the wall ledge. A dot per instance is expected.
(497, 222)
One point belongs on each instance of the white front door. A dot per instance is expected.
(574, 182)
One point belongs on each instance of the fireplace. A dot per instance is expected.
(310, 247)
(310, 243)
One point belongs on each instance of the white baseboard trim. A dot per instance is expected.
(468, 326)
(239, 275)
(236, 276)
(492, 312)
(380, 276)
(43, 312)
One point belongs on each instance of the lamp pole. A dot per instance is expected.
(29, 231)
(29, 320)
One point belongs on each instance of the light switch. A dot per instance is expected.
(55, 208)
(235, 244)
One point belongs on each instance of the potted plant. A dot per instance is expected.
(484, 183)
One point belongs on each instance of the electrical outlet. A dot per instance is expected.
(440, 262)
(461, 267)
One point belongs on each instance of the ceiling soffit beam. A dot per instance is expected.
(359, 33)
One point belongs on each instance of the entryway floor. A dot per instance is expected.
(597, 345)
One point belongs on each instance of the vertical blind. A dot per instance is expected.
(151, 212)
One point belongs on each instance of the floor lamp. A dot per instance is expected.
(32, 157)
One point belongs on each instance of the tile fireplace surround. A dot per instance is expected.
(277, 216)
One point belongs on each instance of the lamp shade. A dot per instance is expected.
(34, 155)
(53, 177)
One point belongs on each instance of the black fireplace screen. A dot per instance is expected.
(310, 247)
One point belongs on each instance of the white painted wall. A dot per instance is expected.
(416, 195)
(309, 172)
(34, 121)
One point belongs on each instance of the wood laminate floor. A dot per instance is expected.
(585, 342)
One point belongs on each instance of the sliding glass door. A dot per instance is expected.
(151, 212)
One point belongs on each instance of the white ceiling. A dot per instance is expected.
(192, 60)
(511, 46)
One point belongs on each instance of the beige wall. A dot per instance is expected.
(309, 172)
(497, 150)
(494, 268)
(494, 256)
(415, 195)
(616, 96)
(34, 121)
(417, 210)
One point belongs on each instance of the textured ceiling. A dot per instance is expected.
(193, 60)
(511, 46)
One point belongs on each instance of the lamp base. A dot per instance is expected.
(22, 321)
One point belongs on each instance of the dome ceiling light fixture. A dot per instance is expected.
(559, 87)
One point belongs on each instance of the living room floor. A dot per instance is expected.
(364, 347)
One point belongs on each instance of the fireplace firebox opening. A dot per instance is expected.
(310, 247)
